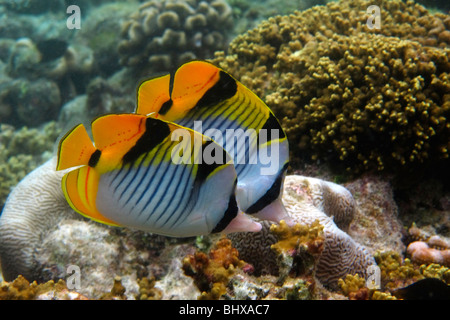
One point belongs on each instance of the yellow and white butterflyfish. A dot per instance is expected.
(136, 175)
(207, 99)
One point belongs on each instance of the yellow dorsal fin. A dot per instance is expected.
(191, 82)
(80, 188)
(75, 148)
(115, 134)
(152, 94)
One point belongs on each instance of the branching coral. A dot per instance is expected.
(22, 289)
(212, 272)
(21, 151)
(164, 34)
(117, 291)
(396, 272)
(367, 99)
(147, 290)
(354, 287)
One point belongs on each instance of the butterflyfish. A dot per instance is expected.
(207, 99)
(135, 174)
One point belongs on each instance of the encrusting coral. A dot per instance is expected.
(427, 247)
(211, 272)
(163, 34)
(22, 289)
(298, 248)
(306, 201)
(367, 99)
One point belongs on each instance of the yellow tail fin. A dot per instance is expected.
(75, 148)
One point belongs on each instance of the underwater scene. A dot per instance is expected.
(225, 150)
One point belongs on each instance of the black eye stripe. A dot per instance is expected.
(95, 157)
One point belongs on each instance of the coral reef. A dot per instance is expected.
(101, 33)
(421, 252)
(34, 7)
(212, 272)
(163, 34)
(23, 103)
(41, 236)
(22, 289)
(395, 271)
(305, 200)
(21, 151)
(34, 206)
(42, 246)
(427, 247)
(358, 98)
(38, 55)
(354, 287)
(298, 249)
(398, 277)
(117, 292)
(33, 88)
(147, 290)
(376, 222)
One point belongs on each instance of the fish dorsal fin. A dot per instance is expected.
(75, 148)
(153, 94)
(192, 81)
(115, 134)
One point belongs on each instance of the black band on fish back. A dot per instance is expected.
(229, 215)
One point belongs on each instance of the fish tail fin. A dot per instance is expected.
(80, 188)
(75, 148)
